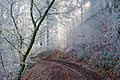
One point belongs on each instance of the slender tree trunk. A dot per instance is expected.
(47, 35)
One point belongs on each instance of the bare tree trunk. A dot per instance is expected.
(36, 28)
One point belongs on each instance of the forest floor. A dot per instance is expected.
(60, 67)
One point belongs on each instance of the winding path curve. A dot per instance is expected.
(36, 70)
(89, 74)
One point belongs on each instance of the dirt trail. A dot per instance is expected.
(57, 69)
(88, 74)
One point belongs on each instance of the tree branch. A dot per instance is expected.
(45, 14)
(12, 45)
(15, 24)
(37, 9)
(31, 14)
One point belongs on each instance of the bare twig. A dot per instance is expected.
(12, 45)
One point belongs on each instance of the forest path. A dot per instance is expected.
(59, 69)
(86, 73)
